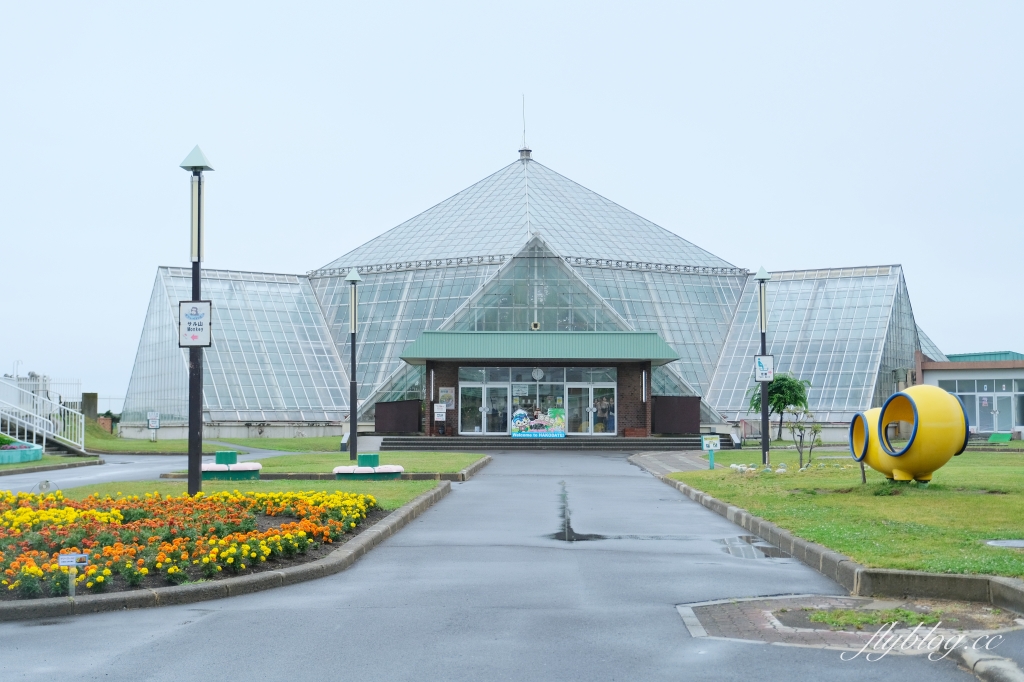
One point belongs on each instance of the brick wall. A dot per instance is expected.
(445, 374)
(633, 411)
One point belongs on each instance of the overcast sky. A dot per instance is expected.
(787, 135)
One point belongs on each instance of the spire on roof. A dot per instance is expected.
(524, 153)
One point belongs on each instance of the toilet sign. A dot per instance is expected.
(194, 324)
(764, 368)
(709, 444)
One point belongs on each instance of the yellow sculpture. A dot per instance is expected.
(939, 431)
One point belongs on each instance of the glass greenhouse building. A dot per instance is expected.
(525, 249)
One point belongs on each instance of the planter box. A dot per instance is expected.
(33, 453)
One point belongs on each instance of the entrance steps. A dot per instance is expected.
(580, 444)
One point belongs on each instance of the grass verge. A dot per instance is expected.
(317, 444)
(47, 460)
(940, 528)
(413, 462)
(389, 494)
(99, 440)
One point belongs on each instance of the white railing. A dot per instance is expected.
(23, 411)
(21, 425)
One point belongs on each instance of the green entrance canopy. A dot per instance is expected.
(540, 347)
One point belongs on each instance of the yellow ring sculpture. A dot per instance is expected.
(939, 431)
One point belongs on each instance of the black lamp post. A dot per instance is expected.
(353, 279)
(196, 163)
(762, 278)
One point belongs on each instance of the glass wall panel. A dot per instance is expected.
(475, 374)
(1019, 421)
(1004, 385)
(966, 386)
(1020, 385)
(971, 407)
(948, 385)
(986, 385)
(497, 375)
(272, 353)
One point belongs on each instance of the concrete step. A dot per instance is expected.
(616, 444)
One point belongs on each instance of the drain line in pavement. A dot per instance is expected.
(567, 534)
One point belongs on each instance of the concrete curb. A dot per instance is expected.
(335, 562)
(458, 476)
(50, 467)
(859, 580)
(987, 666)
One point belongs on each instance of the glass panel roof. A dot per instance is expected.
(159, 381)
(828, 327)
(272, 357)
(536, 286)
(496, 215)
(929, 348)
(691, 312)
(394, 308)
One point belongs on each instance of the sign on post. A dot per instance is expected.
(154, 419)
(440, 412)
(73, 560)
(194, 318)
(764, 368)
(709, 444)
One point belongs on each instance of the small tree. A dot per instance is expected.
(784, 392)
(800, 423)
(815, 441)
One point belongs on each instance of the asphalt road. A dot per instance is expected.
(477, 589)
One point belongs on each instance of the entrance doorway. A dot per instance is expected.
(590, 410)
(995, 413)
(483, 409)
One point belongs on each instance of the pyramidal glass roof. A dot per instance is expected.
(499, 214)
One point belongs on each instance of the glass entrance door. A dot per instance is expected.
(496, 409)
(986, 414)
(1004, 413)
(471, 414)
(603, 404)
(590, 410)
(577, 410)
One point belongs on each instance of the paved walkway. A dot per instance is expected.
(479, 588)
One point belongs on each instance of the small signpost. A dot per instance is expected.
(764, 369)
(153, 419)
(709, 444)
(72, 562)
(194, 319)
(440, 415)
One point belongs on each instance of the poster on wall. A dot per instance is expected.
(540, 425)
(446, 395)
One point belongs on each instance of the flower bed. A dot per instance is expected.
(134, 541)
(14, 451)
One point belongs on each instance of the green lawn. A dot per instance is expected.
(414, 462)
(96, 439)
(318, 444)
(46, 461)
(389, 494)
(941, 528)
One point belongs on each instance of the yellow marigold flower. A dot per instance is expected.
(99, 579)
(88, 584)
